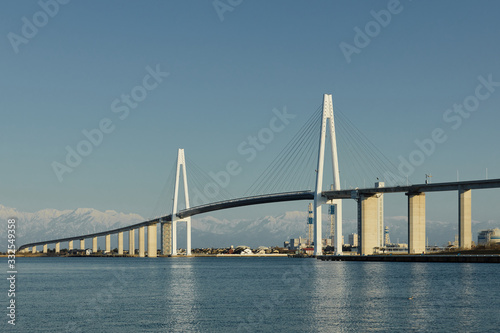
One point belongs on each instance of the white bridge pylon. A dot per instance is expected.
(181, 162)
(327, 122)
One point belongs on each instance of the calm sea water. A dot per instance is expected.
(253, 295)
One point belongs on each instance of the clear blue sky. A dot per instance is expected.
(225, 78)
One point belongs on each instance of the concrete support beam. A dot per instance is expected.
(94, 245)
(108, 243)
(120, 243)
(45, 248)
(367, 224)
(131, 242)
(464, 219)
(416, 223)
(152, 246)
(188, 231)
(174, 235)
(82, 244)
(70, 245)
(141, 242)
(166, 238)
(380, 217)
(58, 247)
(33, 249)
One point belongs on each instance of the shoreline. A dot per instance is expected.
(41, 255)
(481, 258)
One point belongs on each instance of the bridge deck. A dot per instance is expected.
(419, 188)
(288, 196)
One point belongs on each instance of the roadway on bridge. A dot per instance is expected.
(289, 196)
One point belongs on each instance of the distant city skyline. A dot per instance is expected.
(98, 98)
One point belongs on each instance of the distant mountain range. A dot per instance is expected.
(207, 231)
(51, 223)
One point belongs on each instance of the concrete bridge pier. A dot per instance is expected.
(58, 247)
(45, 248)
(33, 249)
(141, 242)
(416, 223)
(82, 244)
(464, 219)
(152, 246)
(367, 223)
(131, 242)
(166, 238)
(120, 243)
(70, 245)
(188, 231)
(108, 243)
(94, 245)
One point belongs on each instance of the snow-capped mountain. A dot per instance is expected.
(207, 231)
(51, 223)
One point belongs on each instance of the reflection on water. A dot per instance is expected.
(253, 294)
(178, 286)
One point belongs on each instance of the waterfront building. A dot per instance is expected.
(489, 237)
(353, 240)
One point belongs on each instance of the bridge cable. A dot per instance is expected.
(279, 167)
(163, 204)
(202, 180)
(296, 159)
(276, 167)
(379, 161)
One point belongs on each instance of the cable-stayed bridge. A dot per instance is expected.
(294, 165)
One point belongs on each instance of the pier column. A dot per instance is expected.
(58, 247)
(108, 243)
(70, 245)
(152, 246)
(45, 248)
(94, 245)
(166, 238)
(416, 223)
(131, 242)
(120, 243)
(141, 241)
(174, 235)
(367, 224)
(464, 219)
(82, 244)
(188, 242)
(33, 249)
